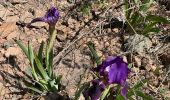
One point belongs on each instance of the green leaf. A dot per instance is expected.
(41, 69)
(156, 30)
(53, 85)
(130, 93)
(58, 78)
(80, 90)
(43, 82)
(155, 18)
(50, 66)
(31, 53)
(149, 26)
(145, 6)
(31, 58)
(126, 9)
(40, 52)
(134, 19)
(93, 52)
(130, 98)
(105, 92)
(24, 49)
(144, 96)
(31, 87)
(137, 2)
(47, 57)
(139, 84)
(119, 97)
(130, 65)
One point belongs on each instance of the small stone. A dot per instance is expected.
(17, 1)
(41, 39)
(107, 44)
(2, 59)
(12, 35)
(167, 94)
(115, 30)
(2, 51)
(12, 18)
(39, 24)
(61, 35)
(2, 89)
(153, 67)
(165, 56)
(12, 51)
(2, 11)
(26, 17)
(99, 53)
(7, 28)
(137, 61)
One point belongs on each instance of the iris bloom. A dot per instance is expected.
(115, 71)
(95, 90)
(51, 17)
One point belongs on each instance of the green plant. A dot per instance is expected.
(138, 18)
(43, 79)
(110, 82)
(87, 5)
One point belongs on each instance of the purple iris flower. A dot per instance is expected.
(51, 17)
(95, 90)
(115, 71)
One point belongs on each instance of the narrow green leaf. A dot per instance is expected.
(24, 49)
(31, 57)
(40, 52)
(137, 2)
(126, 7)
(119, 97)
(105, 92)
(53, 85)
(31, 87)
(47, 57)
(58, 78)
(31, 53)
(144, 96)
(156, 30)
(139, 84)
(149, 26)
(50, 66)
(155, 18)
(80, 90)
(145, 6)
(130, 98)
(94, 53)
(41, 69)
(43, 81)
(134, 18)
(130, 93)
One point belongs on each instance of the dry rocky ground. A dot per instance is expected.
(150, 55)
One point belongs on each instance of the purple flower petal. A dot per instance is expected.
(118, 72)
(95, 90)
(124, 90)
(51, 17)
(115, 71)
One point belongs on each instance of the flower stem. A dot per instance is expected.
(49, 50)
(53, 34)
